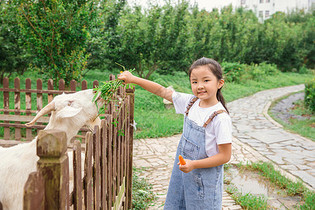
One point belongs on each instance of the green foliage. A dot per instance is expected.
(13, 57)
(233, 71)
(268, 170)
(142, 194)
(236, 72)
(56, 33)
(292, 188)
(63, 38)
(310, 94)
(248, 201)
(303, 125)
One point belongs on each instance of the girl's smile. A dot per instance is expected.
(205, 85)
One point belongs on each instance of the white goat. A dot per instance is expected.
(69, 112)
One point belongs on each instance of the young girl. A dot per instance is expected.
(206, 140)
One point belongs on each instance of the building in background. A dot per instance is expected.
(265, 8)
(262, 8)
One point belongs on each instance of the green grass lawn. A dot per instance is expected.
(267, 170)
(305, 127)
(152, 118)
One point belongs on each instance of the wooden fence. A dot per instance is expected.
(22, 108)
(107, 179)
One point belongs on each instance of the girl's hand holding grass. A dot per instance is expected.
(126, 76)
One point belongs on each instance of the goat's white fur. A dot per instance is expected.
(71, 112)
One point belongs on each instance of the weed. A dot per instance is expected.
(142, 194)
(292, 188)
(247, 201)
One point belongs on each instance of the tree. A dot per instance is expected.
(13, 58)
(56, 33)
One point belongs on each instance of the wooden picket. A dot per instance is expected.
(108, 163)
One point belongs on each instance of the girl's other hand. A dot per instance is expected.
(126, 76)
(188, 167)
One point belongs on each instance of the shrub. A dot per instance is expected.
(263, 69)
(236, 72)
(310, 94)
(233, 71)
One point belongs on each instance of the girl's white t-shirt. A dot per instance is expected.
(218, 131)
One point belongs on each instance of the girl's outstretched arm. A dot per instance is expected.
(150, 86)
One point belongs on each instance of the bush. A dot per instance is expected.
(258, 72)
(236, 72)
(310, 95)
(233, 71)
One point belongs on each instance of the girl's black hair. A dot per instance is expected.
(215, 68)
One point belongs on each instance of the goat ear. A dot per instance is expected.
(68, 111)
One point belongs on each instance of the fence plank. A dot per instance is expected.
(17, 106)
(95, 83)
(73, 85)
(130, 94)
(84, 85)
(34, 192)
(88, 190)
(104, 163)
(50, 86)
(28, 106)
(62, 85)
(96, 166)
(77, 188)
(110, 161)
(39, 98)
(6, 105)
(114, 134)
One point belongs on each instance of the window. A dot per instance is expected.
(243, 2)
(267, 1)
(267, 14)
(261, 14)
(261, 1)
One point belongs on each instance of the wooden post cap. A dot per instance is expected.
(51, 143)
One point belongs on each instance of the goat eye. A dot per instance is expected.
(69, 103)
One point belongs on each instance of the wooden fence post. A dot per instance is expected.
(130, 95)
(34, 192)
(53, 165)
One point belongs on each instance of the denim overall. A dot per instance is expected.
(200, 188)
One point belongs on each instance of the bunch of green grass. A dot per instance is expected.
(107, 90)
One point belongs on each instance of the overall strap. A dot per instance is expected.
(213, 116)
(192, 101)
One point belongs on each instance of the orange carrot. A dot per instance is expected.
(181, 160)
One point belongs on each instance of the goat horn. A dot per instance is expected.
(47, 109)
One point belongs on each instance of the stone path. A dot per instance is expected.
(256, 137)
